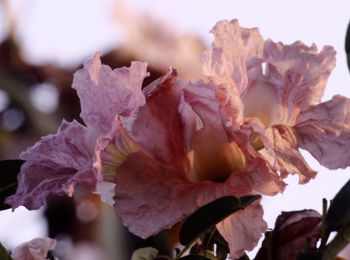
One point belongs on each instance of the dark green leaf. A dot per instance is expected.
(9, 170)
(222, 248)
(347, 45)
(339, 211)
(194, 257)
(211, 214)
(247, 200)
(4, 254)
(316, 255)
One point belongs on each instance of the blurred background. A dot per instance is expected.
(43, 42)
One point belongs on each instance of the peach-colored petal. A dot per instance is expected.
(287, 155)
(243, 229)
(53, 166)
(35, 249)
(324, 131)
(105, 93)
(235, 55)
(299, 73)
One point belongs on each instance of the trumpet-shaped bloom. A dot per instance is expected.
(175, 145)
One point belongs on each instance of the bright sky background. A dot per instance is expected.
(68, 31)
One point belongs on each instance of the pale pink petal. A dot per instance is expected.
(105, 93)
(324, 131)
(214, 104)
(53, 166)
(158, 125)
(150, 196)
(35, 249)
(299, 73)
(287, 155)
(235, 56)
(152, 193)
(243, 229)
(259, 172)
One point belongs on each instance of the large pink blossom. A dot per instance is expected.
(176, 145)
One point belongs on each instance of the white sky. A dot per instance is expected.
(67, 31)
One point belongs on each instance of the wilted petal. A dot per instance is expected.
(243, 229)
(299, 73)
(53, 166)
(35, 249)
(288, 158)
(293, 232)
(235, 56)
(105, 93)
(324, 131)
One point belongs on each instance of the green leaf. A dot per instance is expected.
(347, 45)
(9, 170)
(339, 211)
(315, 255)
(211, 214)
(247, 200)
(4, 254)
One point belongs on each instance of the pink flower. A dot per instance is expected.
(35, 249)
(236, 134)
(171, 158)
(279, 87)
(58, 162)
(175, 145)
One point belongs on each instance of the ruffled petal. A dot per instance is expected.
(235, 56)
(324, 131)
(299, 74)
(243, 229)
(152, 193)
(259, 172)
(35, 249)
(212, 156)
(287, 156)
(105, 93)
(53, 166)
(157, 127)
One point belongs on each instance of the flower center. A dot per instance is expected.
(213, 158)
(260, 101)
